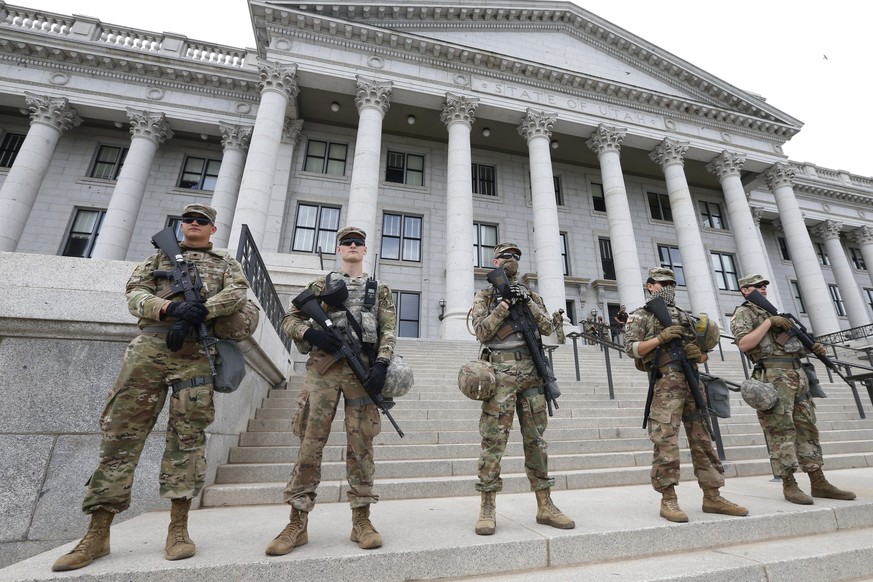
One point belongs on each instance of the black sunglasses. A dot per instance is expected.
(515, 256)
(759, 286)
(200, 221)
(353, 241)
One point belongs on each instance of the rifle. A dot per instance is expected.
(676, 351)
(521, 321)
(309, 305)
(797, 330)
(182, 281)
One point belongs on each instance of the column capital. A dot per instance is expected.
(862, 235)
(460, 109)
(373, 93)
(606, 139)
(779, 174)
(291, 130)
(153, 126)
(726, 164)
(52, 111)
(668, 152)
(757, 214)
(278, 77)
(537, 124)
(235, 137)
(827, 230)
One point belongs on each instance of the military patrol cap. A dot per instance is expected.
(350, 232)
(661, 274)
(506, 246)
(202, 210)
(750, 280)
(759, 395)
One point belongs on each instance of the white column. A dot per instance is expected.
(459, 114)
(773, 294)
(856, 308)
(277, 213)
(536, 128)
(670, 156)
(49, 118)
(235, 139)
(606, 143)
(372, 101)
(816, 297)
(863, 237)
(148, 131)
(277, 88)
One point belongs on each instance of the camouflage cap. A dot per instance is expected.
(750, 280)
(202, 210)
(506, 246)
(350, 231)
(661, 274)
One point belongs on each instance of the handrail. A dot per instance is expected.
(845, 335)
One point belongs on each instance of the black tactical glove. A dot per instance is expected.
(519, 293)
(177, 334)
(378, 373)
(193, 312)
(322, 339)
(671, 333)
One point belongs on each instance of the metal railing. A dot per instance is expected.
(846, 335)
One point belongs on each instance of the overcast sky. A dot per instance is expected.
(806, 58)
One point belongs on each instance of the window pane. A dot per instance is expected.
(307, 215)
(391, 248)
(303, 240)
(412, 227)
(391, 225)
(415, 162)
(411, 250)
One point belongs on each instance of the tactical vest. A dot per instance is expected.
(772, 345)
(365, 310)
(678, 317)
(508, 337)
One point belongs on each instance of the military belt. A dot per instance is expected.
(670, 367)
(786, 363)
(532, 392)
(155, 329)
(195, 381)
(502, 357)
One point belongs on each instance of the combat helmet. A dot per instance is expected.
(759, 395)
(707, 333)
(399, 378)
(476, 380)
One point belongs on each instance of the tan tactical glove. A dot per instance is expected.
(671, 333)
(693, 352)
(819, 350)
(779, 322)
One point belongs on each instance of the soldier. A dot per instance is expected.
(672, 403)
(372, 306)
(789, 425)
(166, 354)
(519, 388)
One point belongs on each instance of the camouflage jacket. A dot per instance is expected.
(642, 325)
(746, 318)
(492, 325)
(224, 284)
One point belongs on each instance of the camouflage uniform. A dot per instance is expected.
(672, 404)
(148, 370)
(318, 400)
(792, 435)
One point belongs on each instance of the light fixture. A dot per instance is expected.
(442, 309)
(593, 315)
(554, 144)
(410, 120)
(334, 106)
(118, 124)
(204, 137)
(486, 132)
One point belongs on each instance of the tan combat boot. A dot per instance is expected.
(179, 545)
(292, 536)
(670, 509)
(94, 545)
(713, 502)
(821, 487)
(548, 514)
(486, 525)
(363, 532)
(793, 493)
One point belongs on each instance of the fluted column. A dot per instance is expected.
(536, 129)
(856, 309)
(606, 143)
(670, 156)
(459, 114)
(278, 86)
(148, 131)
(235, 140)
(49, 118)
(863, 237)
(816, 297)
(372, 100)
(773, 294)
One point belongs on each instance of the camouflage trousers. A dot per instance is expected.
(496, 422)
(130, 413)
(789, 427)
(672, 405)
(316, 409)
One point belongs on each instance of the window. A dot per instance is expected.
(484, 181)
(597, 197)
(822, 253)
(316, 229)
(175, 222)
(559, 194)
(798, 298)
(671, 259)
(323, 157)
(199, 173)
(108, 163)
(868, 293)
(484, 244)
(9, 148)
(857, 259)
(711, 214)
(83, 233)
(570, 311)
(725, 271)
(838, 299)
(659, 206)
(607, 264)
(783, 248)
(401, 237)
(405, 169)
(565, 254)
(408, 309)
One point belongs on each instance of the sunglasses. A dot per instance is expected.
(200, 221)
(515, 256)
(759, 286)
(353, 241)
